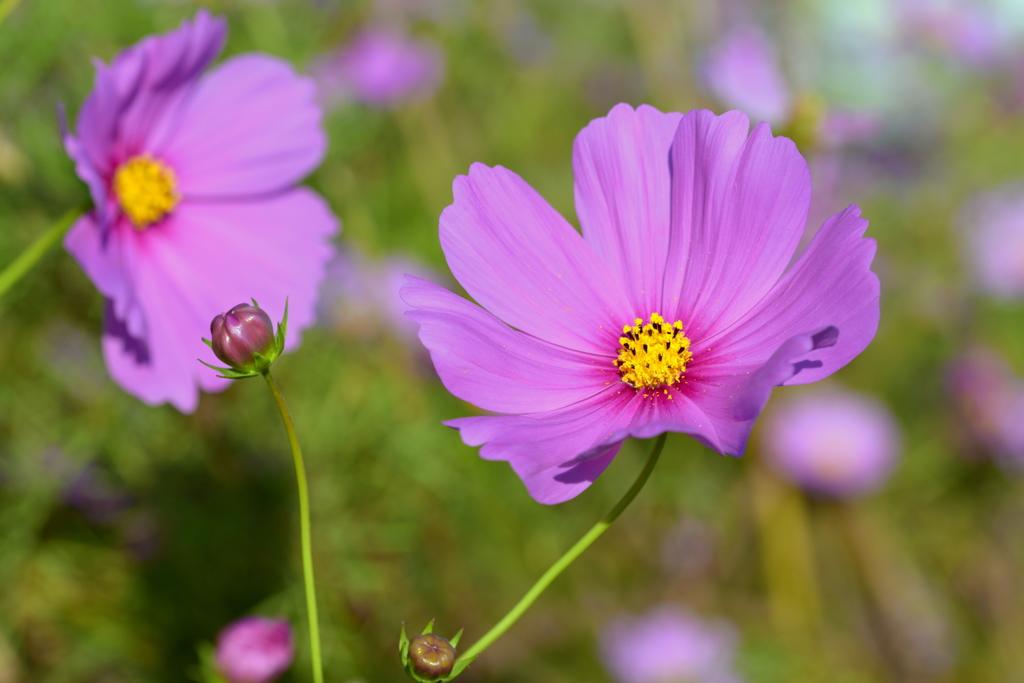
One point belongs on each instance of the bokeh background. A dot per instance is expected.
(130, 535)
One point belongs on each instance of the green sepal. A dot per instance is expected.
(403, 651)
(229, 373)
(207, 671)
(460, 666)
(208, 342)
(282, 328)
(403, 647)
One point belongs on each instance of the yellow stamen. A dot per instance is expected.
(147, 190)
(652, 354)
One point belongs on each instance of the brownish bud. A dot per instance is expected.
(431, 656)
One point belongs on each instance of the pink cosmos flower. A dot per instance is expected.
(360, 295)
(990, 399)
(673, 311)
(993, 224)
(193, 180)
(743, 71)
(833, 443)
(382, 68)
(971, 31)
(668, 645)
(254, 650)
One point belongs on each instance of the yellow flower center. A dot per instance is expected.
(147, 190)
(653, 354)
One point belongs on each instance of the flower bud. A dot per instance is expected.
(254, 650)
(242, 333)
(431, 656)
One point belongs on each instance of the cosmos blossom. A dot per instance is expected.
(833, 442)
(360, 295)
(742, 71)
(254, 649)
(382, 68)
(673, 311)
(193, 180)
(993, 227)
(668, 644)
(989, 399)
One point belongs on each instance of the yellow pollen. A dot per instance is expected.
(146, 189)
(654, 354)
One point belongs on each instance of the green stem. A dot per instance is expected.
(307, 553)
(21, 265)
(6, 7)
(565, 560)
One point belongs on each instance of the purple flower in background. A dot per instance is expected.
(193, 179)
(966, 30)
(673, 311)
(669, 645)
(742, 72)
(95, 497)
(360, 295)
(990, 398)
(254, 650)
(381, 68)
(839, 128)
(994, 227)
(833, 443)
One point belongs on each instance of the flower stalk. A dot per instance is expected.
(307, 544)
(243, 338)
(565, 560)
(28, 258)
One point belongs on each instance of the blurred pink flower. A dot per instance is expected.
(254, 650)
(193, 180)
(967, 30)
(742, 72)
(990, 398)
(832, 442)
(676, 310)
(993, 224)
(360, 295)
(841, 127)
(669, 645)
(381, 68)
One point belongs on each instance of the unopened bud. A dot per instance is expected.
(240, 334)
(431, 656)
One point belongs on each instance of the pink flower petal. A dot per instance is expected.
(103, 260)
(830, 285)
(559, 453)
(482, 360)
(544, 449)
(157, 75)
(734, 401)
(195, 264)
(252, 127)
(217, 263)
(135, 102)
(738, 211)
(525, 264)
(623, 188)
